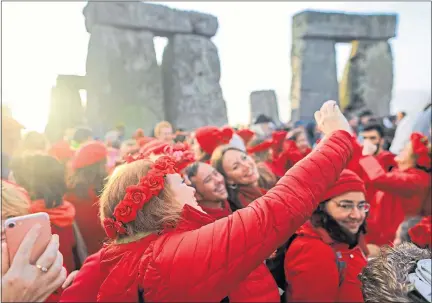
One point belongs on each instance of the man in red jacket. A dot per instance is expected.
(328, 252)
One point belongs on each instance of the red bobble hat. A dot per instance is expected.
(246, 134)
(210, 137)
(348, 181)
(88, 154)
(419, 144)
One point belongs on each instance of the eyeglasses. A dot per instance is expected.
(363, 207)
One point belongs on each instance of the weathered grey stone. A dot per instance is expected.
(343, 27)
(160, 19)
(203, 24)
(370, 77)
(264, 102)
(191, 73)
(66, 110)
(314, 76)
(124, 80)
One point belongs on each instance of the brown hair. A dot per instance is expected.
(384, 279)
(88, 177)
(15, 201)
(159, 212)
(160, 125)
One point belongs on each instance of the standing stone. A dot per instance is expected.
(191, 73)
(124, 80)
(371, 77)
(264, 102)
(314, 76)
(66, 109)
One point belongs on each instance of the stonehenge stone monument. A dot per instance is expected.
(66, 109)
(126, 84)
(313, 61)
(264, 102)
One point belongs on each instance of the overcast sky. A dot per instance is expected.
(42, 39)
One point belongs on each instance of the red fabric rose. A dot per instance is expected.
(421, 233)
(125, 211)
(138, 195)
(164, 165)
(112, 228)
(155, 182)
(419, 144)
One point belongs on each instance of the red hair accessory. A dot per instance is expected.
(263, 146)
(419, 144)
(420, 233)
(246, 134)
(138, 195)
(181, 154)
(210, 137)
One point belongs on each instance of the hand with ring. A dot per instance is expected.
(24, 282)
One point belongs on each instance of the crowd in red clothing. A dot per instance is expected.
(221, 214)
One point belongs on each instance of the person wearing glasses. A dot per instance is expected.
(326, 255)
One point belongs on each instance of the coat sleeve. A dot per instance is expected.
(86, 284)
(218, 256)
(311, 272)
(397, 182)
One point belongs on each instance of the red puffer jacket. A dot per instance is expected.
(311, 270)
(400, 194)
(204, 261)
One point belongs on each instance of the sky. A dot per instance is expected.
(43, 39)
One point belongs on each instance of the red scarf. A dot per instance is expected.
(60, 216)
(218, 213)
(248, 194)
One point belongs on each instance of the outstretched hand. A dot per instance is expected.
(330, 119)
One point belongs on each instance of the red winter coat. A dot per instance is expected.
(399, 195)
(205, 260)
(87, 218)
(311, 271)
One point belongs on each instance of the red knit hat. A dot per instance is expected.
(88, 154)
(62, 151)
(348, 181)
(246, 134)
(419, 144)
(265, 145)
(210, 137)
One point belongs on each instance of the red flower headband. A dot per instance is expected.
(181, 154)
(138, 195)
(420, 148)
(420, 233)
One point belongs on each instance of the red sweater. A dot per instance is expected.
(226, 251)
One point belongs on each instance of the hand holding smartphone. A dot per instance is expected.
(16, 228)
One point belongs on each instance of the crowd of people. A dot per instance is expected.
(316, 212)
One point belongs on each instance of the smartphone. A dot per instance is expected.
(17, 228)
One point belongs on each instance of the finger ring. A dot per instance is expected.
(42, 268)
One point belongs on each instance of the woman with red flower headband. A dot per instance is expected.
(402, 193)
(166, 249)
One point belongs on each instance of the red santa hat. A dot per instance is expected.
(420, 148)
(348, 182)
(246, 134)
(62, 151)
(88, 154)
(210, 137)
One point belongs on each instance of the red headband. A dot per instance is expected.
(419, 144)
(420, 233)
(138, 195)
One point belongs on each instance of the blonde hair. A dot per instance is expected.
(160, 125)
(15, 201)
(158, 213)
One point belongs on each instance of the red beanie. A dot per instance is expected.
(88, 154)
(62, 151)
(246, 134)
(348, 181)
(210, 137)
